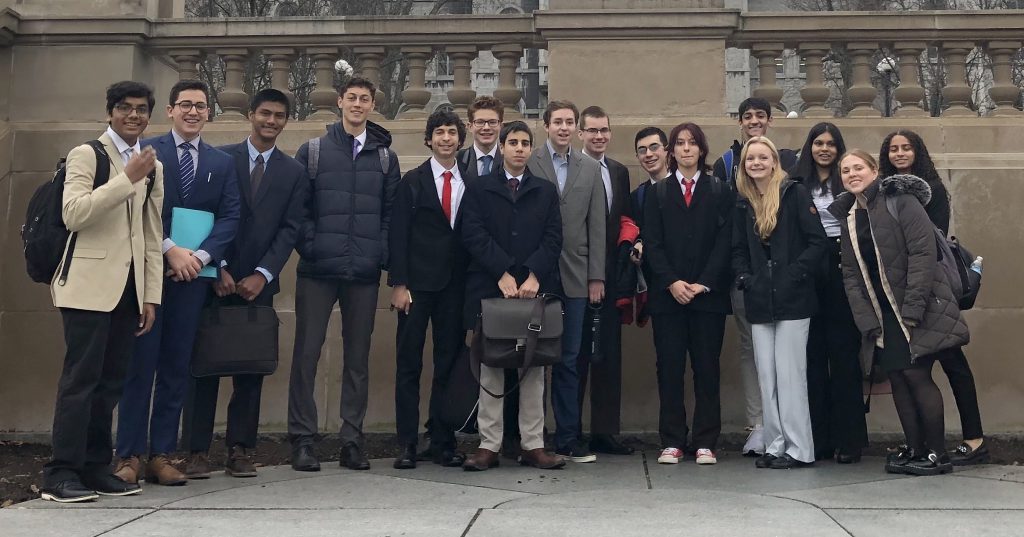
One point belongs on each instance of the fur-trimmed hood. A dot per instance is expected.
(894, 185)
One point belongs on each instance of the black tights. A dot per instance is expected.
(919, 406)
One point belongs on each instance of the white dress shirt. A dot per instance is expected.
(606, 177)
(458, 186)
(202, 255)
(480, 154)
(122, 146)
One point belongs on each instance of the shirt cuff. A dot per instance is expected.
(223, 263)
(266, 274)
(203, 256)
(168, 244)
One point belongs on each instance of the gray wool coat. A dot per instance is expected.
(912, 281)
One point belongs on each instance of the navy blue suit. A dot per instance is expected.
(215, 190)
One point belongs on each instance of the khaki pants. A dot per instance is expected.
(490, 418)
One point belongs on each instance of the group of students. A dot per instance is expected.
(795, 258)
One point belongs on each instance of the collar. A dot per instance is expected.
(178, 140)
(253, 152)
(521, 176)
(480, 152)
(601, 160)
(122, 145)
(679, 176)
(437, 169)
(361, 137)
(551, 150)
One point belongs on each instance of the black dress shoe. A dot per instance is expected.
(848, 456)
(68, 491)
(449, 458)
(108, 484)
(352, 457)
(963, 455)
(785, 462)
(765, 461)
(930, 464)
(304, 460)
(606, 443)
(407, 460)
(896, 461)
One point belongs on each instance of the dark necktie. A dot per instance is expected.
(513, 185)
(187, 169)
(687, 190)
(446, 195)
(256, 176)
(485, 164)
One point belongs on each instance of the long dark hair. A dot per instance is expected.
(806, 170)
(922, 167)
(698, 137)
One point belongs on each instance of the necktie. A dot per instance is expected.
(187, 169)
(513, 185)
(355, 148)
(446, 195)
(687, 190)
(256, 176)
(485, 165)
(128, 154)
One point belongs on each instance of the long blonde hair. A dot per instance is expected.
(765, 204)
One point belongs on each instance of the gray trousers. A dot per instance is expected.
(748, 368)
(780, 349)
(314, 300)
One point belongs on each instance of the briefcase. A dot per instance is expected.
(236, 340)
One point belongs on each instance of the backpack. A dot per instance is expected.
(955, 261)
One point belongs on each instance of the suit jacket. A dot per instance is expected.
(692, 244)
(426, 252)
(621, 206)
(467, 159)
(583, 210)
(110, 239)
(503, 234)
(269, 218)
(215, 190)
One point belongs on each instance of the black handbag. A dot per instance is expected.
(517, 334)
(236, 340)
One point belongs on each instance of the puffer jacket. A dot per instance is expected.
(349, 207)
(914, 285)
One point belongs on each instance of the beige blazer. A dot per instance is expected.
(114, 230)
(584, 217)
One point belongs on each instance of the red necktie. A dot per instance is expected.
(687, 191)
(446, 195)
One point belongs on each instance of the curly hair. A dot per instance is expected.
(922, 166)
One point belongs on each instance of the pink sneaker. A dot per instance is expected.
(670, 455)
(706, 456)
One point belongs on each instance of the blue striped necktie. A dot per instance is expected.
(187, 168)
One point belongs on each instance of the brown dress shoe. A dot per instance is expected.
(480, 460)
(538, 458)
(240, 463)
(198, 466)
(129, 470)
(160, 471)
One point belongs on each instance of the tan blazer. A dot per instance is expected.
(114, 232)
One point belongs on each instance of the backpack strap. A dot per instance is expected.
(100, 177)
(385, 159)
(313, 158)
(727, 160)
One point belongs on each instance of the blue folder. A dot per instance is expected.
(189, 228)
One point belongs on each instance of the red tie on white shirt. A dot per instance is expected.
(687, 190)
(446, 195)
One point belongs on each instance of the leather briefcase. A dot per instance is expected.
(236, 340)
(517, 334)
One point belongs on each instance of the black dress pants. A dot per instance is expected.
(99, 349)
(961, 381)
(243, 409)
(442, 310)
(606, 374)
(700, 334)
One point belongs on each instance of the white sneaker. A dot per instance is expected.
(754, 446)
(670, 455)
(706, 456)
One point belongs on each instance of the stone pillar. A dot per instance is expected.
(187, 61)
(232, 99)
(957, 93)
(814, 92)
(508, 92)
(1004, 92)
(461, 94)
(416, 96)
(369, 68)
(280, 68)
(909, 93)
(862, 93)
(324, 97)
(768, 87)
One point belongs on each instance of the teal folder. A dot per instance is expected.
(189, 228)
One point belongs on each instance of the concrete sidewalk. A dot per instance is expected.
(617, 496)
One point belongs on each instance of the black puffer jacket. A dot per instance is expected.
(912, 281)
(781, 288)
(350, 207)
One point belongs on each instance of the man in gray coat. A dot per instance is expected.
(581, 265)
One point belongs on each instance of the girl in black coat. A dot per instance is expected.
(834, 382)
(778, 242)
(904, 152)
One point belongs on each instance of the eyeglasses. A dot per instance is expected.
(594, 130)
(127, 109)
(643, 150)
(187, 106)
(485, 122)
